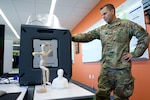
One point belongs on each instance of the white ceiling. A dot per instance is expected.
(69, 12)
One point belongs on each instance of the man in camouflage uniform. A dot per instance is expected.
(115, 37)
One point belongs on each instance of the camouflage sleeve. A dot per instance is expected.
(143, 39)
(86, 37)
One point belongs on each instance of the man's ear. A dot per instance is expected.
(113, 11)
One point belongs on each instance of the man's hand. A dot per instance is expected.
(127, 56)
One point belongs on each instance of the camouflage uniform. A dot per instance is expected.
(115, 72)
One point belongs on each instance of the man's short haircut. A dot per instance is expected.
(109, 6)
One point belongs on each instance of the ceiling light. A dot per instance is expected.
(9, 24)
(53, 3)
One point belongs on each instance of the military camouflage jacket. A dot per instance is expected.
(115, 39)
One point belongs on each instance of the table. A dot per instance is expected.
(73, 92)
(14, 88)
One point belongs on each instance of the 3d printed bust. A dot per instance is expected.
(45, 71)
(60, 82)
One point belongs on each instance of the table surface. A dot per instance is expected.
(14, 88)
(72, 91)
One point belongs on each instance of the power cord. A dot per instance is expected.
(4, 79)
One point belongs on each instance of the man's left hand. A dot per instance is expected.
(127, 56)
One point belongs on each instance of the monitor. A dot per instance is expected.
(32, 37)
(6, 49)
(2, 29)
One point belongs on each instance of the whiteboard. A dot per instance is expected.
(92, 51)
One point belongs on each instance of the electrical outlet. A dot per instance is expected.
(90, 76)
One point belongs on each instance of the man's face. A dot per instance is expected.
(107, 14)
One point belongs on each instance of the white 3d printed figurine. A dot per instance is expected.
(45, 71)
(60, 82)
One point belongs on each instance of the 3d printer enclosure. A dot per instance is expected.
(33, 76)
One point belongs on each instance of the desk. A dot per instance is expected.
(73, 92)
(14, 88)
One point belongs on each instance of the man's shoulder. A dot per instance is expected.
(126, 21)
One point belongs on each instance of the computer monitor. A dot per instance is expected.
(6, 49)
(32, 36)
(2, 30)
